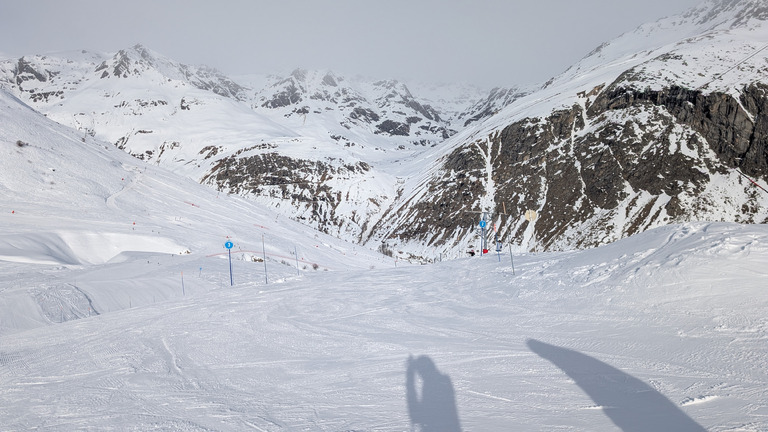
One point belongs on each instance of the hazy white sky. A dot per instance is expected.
(484, 42)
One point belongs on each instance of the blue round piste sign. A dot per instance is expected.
(482, 224)
(228, 245)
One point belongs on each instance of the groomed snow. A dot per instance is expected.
(662, 331)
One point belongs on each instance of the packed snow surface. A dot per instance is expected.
(663, 331)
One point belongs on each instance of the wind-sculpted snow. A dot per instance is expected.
(79, 247)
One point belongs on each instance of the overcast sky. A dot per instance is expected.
(484, 42)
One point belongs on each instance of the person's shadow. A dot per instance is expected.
(631, 404)
(434, 407)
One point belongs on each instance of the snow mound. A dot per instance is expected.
(79, 247)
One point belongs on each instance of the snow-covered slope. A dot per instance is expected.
(314, 146)
(71, 202)
(118, 311)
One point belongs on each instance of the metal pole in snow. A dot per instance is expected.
(482, 239)
(295, 252)
(512, 259)
(183, 293)
(264, 251)
(498, 245)
(229, 246)
(231, 278)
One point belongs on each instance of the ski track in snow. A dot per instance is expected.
(328, 351)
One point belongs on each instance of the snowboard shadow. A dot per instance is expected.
(631, 404)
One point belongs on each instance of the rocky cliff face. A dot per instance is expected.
(665, 140)
(306, 186)
(621, 162)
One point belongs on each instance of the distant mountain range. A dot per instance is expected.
(664, 124)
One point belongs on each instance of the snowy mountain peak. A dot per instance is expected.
(685, 48)
(135, 61)
(385, 107)
(315, 78)
(300, 85)
(728, 13)
(138, 61)
(395, 92)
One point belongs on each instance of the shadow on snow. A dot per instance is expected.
(433, 406)
(631, 404)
